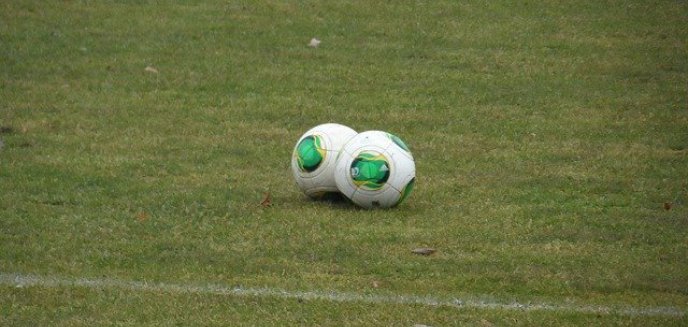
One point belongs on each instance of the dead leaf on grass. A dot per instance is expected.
(150, 69)
(6, 130)
(423, 251)
(667, 206)
(142, 216)
(267, 201)
(314, 43)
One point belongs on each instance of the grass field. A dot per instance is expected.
(139, 138)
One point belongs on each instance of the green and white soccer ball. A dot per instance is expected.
(313, 158)
(375, 169)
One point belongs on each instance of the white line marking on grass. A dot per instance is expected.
(27, 280)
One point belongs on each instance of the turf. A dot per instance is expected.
(550, 138)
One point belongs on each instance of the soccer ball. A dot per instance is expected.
(314, 155)
(375, 169)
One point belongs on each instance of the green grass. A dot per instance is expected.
(547, 138)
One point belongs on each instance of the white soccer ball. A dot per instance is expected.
(313, 158)
(375, 169)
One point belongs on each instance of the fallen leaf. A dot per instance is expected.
(667, 206)
(150, 69)
(6, 130)
(142, 216)
(266, 200)
(314, 43)
(424, 251)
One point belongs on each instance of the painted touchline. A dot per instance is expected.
(27, 280)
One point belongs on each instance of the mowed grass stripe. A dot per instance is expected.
(30, 280)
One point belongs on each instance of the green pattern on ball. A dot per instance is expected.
(309, 153)
(407, 190)
(370, 170)
(399, 142)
